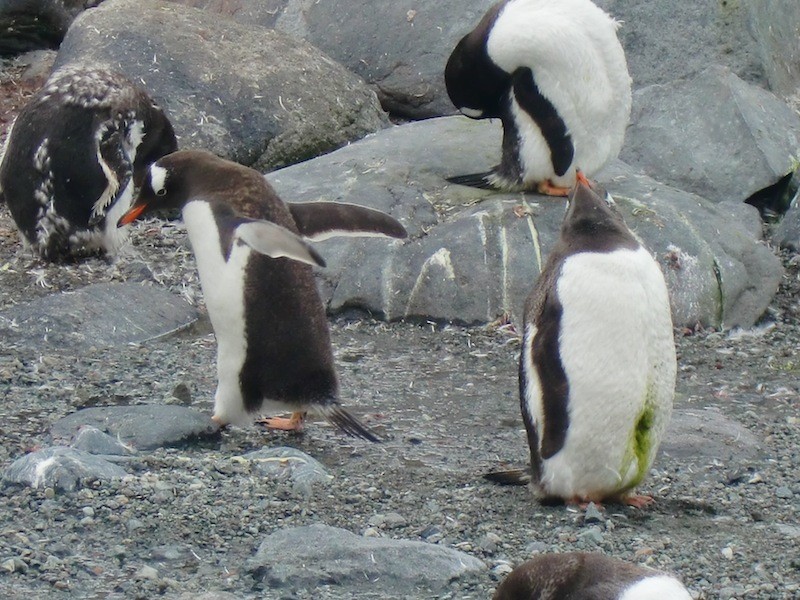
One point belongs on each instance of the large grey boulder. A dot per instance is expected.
(306, 558)
(474, 255)
(787, 232)
(244, 92)
(776, 27)
(99, 315)
(713, 134)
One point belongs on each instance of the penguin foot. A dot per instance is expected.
(296, 422)
(547, 188)
(222, 424)
(638, 501)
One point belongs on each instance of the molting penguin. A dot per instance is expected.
(554, 73)
(586, 576)
(273, 342)
(73, 156)
(597, 367)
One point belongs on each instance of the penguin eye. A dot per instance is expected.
(161, 192)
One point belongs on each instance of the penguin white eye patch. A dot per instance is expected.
(275, 241)
(158, 179)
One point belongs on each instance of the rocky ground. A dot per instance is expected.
(445, 398)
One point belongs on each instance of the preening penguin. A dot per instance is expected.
(273, 343)
(554, 73)
(72, 157)
(587, 576)
(597, 366)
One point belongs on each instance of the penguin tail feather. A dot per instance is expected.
(482, 181)
(347, 423)
(509, 477)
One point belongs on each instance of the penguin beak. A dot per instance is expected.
(133, 214)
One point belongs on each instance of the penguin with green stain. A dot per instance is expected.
(597, 368)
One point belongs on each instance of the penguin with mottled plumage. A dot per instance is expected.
(597, 367)
(587, 576)
(555, 74)
(73, 157)
(273, 342)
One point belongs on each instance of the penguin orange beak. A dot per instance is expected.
(133, 214)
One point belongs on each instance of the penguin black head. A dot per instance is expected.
(475, 84)
(592, 221)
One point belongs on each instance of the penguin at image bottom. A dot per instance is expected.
(273, 342)
(587, 576)
(597, 366)
(73, 156)
(555, 75)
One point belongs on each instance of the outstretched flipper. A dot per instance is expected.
(275, 241)
(509, 477)
(322, 220)
(481, 181)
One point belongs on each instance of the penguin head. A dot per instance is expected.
(592, 218)
(163, 187)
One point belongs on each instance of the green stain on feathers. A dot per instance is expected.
(643, 441)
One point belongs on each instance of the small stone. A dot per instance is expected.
(592, 536)
(727, 552)
(14, 565)
(49, 493)
(501, 569)
(88, 511)
(592, 515)
(536, 548)
(371, 532)
(783, 492)
(147, 572)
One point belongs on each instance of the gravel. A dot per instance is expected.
(186, 520)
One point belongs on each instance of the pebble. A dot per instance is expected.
(783, 492)
(147, 572)
(592, 515)
(592, 536)
(727, 552)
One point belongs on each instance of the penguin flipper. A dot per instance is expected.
(509, 477)
(275, 241)
(322, 220)
(116, 167)
(482, 181)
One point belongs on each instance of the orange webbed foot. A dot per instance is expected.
(547, 188)
(295, 422)
(638, 501)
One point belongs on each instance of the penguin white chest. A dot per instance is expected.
(617, 352)
(223, 284)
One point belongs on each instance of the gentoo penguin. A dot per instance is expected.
(554, 73)
(72, 158)
(587, 576)
(597, 367)
(273, 342)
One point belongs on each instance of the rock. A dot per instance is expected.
(592, 514)
(775, 26)
(470, 258)
(289, 463)
(143, 427)
(708, 435)
(304, 558)
(59, 467)
(787, 232)
(36, 24)
(699, 34)
(99, 315)
(250, 94)
(728, 149)
(92, 440)
(783, 492)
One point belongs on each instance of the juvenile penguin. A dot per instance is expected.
(587, 576)
(597, 367)
(72, 158)
(554, 73)
(273, 343)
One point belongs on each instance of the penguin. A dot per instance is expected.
(597, 367)
(587, 576)
(273, 342)
(73, 156)
(555, 74)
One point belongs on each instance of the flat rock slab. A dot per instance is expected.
(98, 315)
(470, 258)
(305, 558)
(61, 468)
(144, 427)
(707, 435)
(289, 464)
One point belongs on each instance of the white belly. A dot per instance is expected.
(223, 292)
(618, 353)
